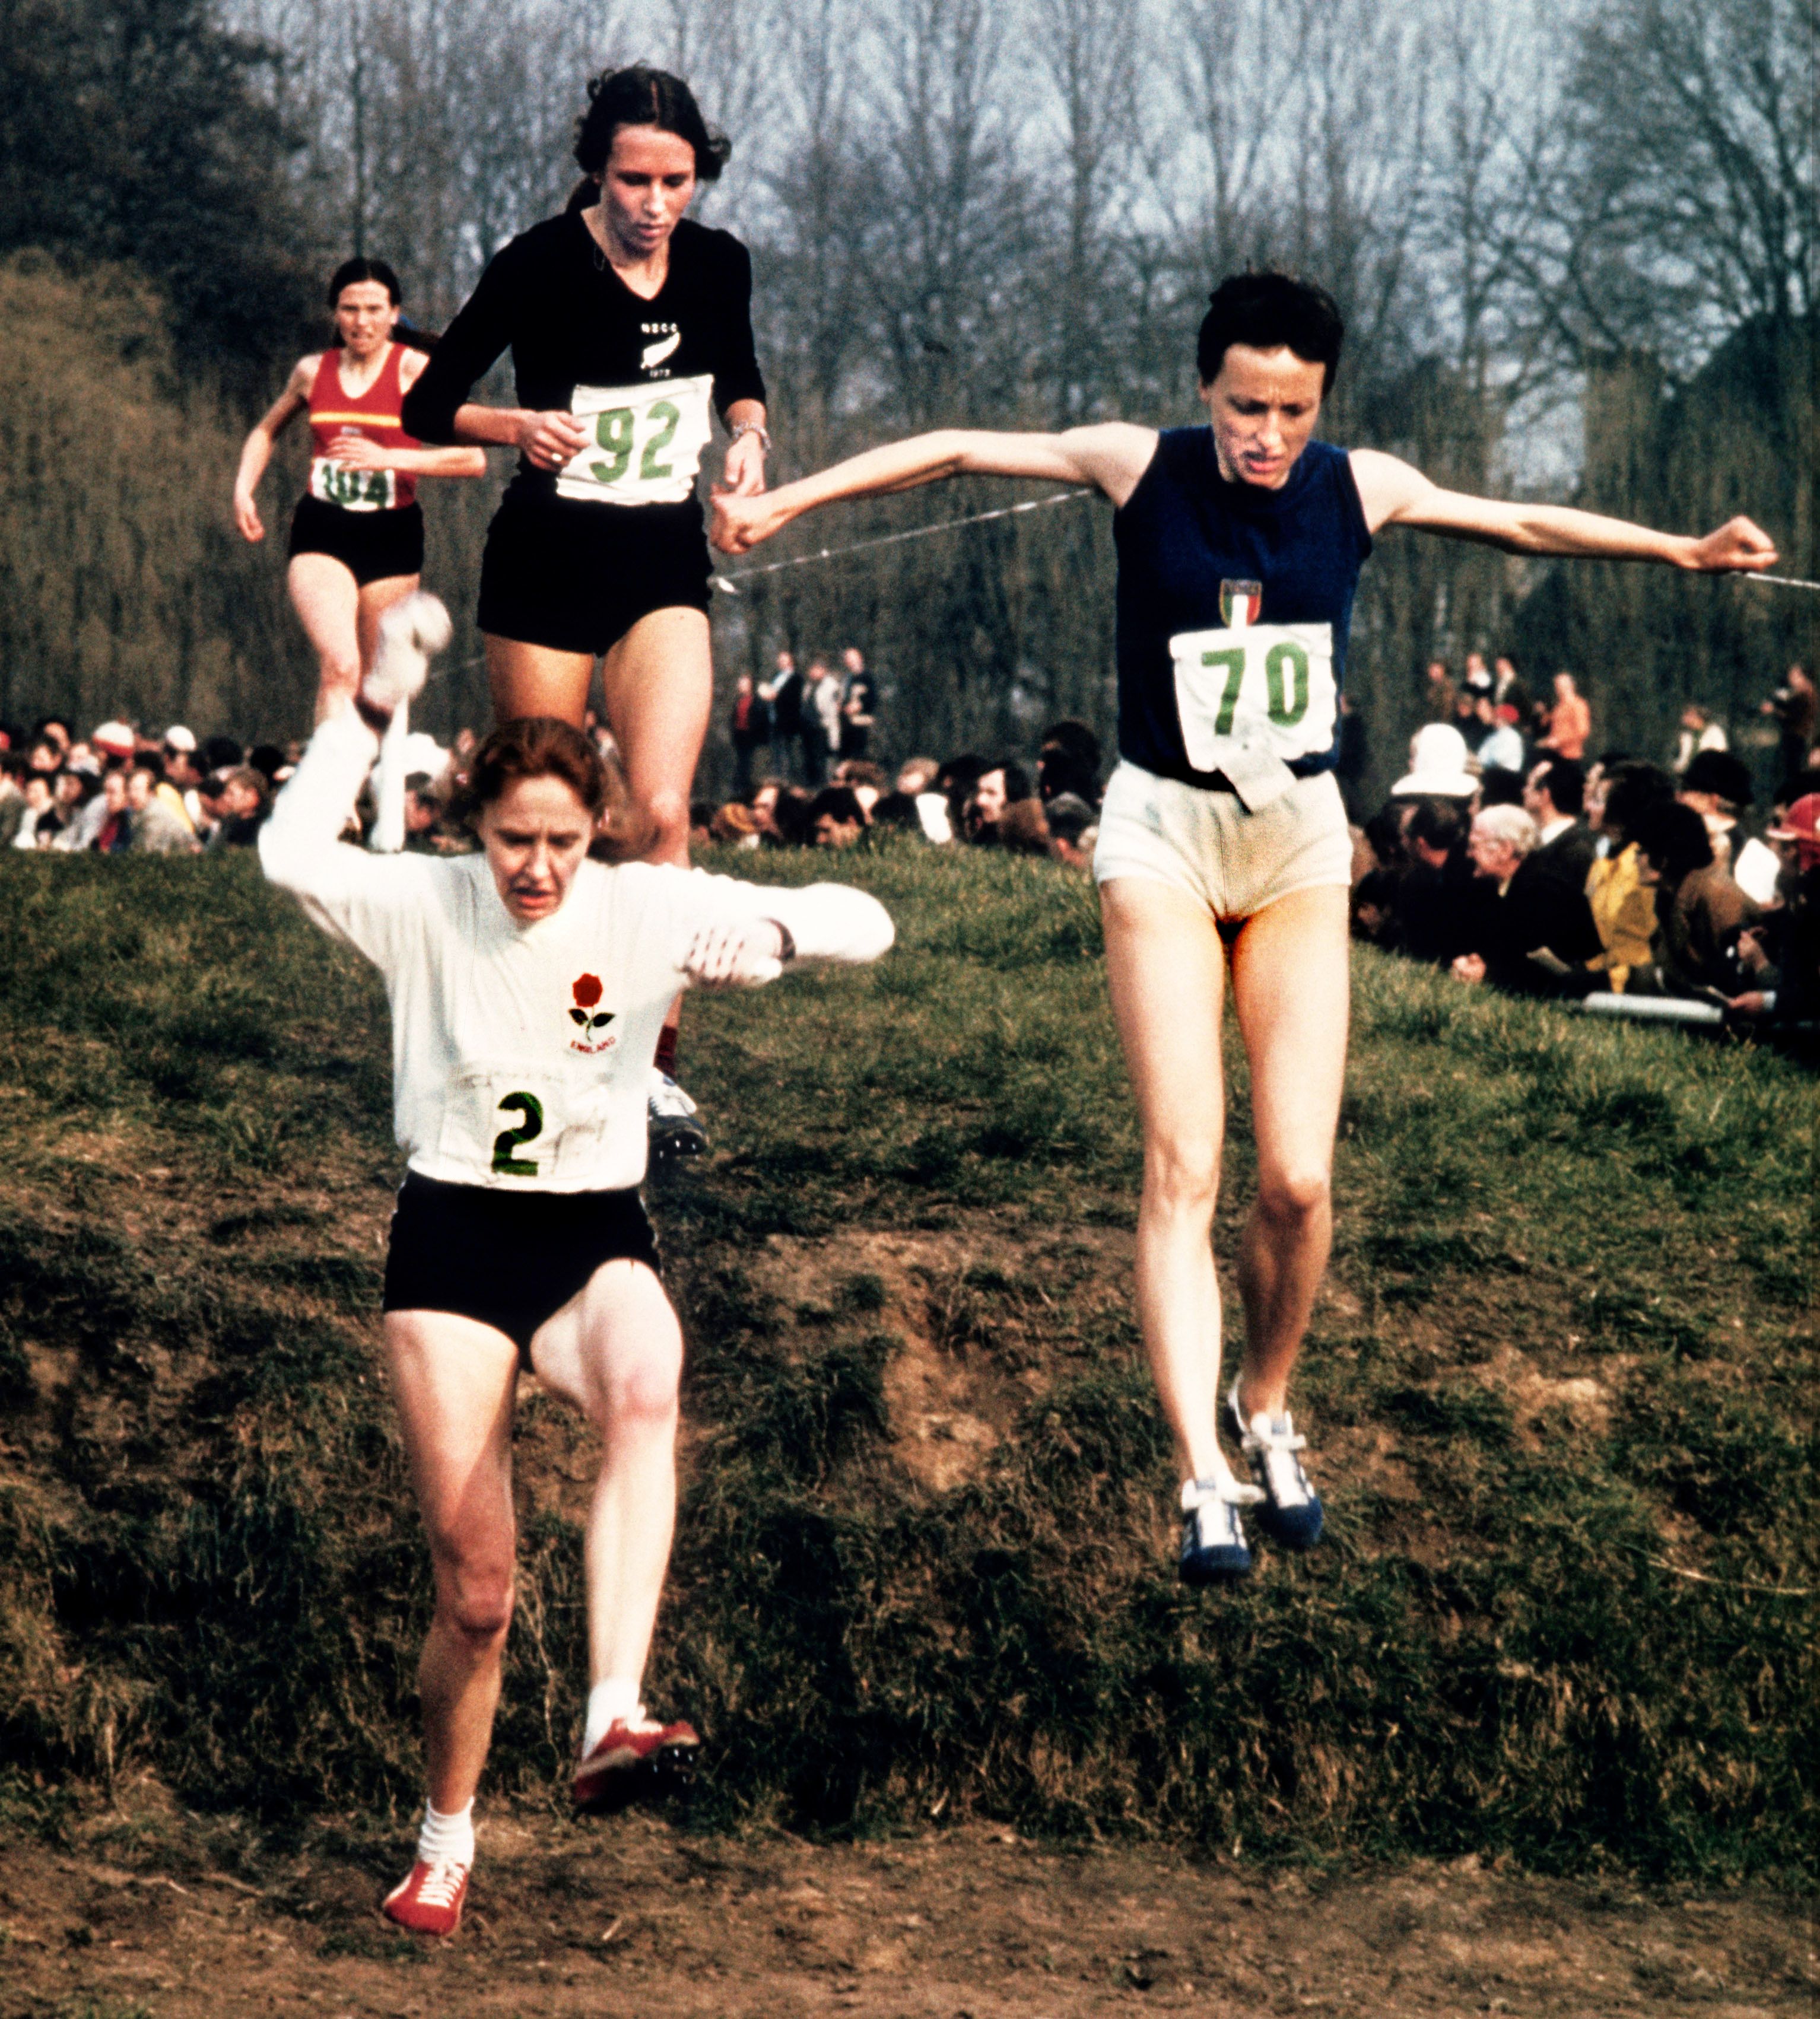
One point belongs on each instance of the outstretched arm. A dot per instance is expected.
(1111, 458)
(1394, 494)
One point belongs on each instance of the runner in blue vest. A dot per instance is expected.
(1223, 846)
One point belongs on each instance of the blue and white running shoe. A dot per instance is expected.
(1214, 1550)
(1290, 1514)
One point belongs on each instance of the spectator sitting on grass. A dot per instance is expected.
(919, 780)
(80, 809)
(115, 835)
(955, 781)
(1623, 907)
(1779, 957)
(157, 830)
(11, 796)
(1699, 909)
(1502, 839)
(1068, 760)
(39, 819)
(242, 801)
(1434, 903)
(836, 818)
(1437, 767)
(1500, 787)
(1022, 828)
(790, 824)
(1073, 829)
(865, 780)
(1716, 785)
(735, 826)
(999, 787)
(899, 812)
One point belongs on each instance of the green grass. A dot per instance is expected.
(1567, 1351)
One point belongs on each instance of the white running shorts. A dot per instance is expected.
(1206, 843)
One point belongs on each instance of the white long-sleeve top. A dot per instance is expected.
(521, 1053)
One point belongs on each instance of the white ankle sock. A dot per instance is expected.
(449, 1838)
(616, 1697)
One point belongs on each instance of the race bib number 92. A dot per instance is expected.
(1260, 688)
(645, 442)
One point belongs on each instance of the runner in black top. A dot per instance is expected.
(626, 322)
(1223, 841)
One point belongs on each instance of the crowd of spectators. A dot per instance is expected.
(1505, 857)
(117, 791)
(1519, 863)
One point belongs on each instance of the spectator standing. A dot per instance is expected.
(1440, 698)
(783, 695)
(750, 726)
(1698, 732)
(820, 708)
(1793, 704)
(1570, 721)
(859, 705)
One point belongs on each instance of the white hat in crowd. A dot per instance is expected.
(178, 737)
(115, 737)
(1437, 764)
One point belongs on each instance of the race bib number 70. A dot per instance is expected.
(1263, 689)
(645, 442)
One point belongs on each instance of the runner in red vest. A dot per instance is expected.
(356, 536)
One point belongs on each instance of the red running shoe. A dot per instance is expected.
(627, 1745)
(429, 1900)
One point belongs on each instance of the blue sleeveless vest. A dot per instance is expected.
(1183, 532)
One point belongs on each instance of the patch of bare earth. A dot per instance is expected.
(631, 1917)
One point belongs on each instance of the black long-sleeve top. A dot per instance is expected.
(554, 298)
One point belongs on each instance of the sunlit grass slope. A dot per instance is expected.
(1565, 1358)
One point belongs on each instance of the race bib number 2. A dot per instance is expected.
(645, 442)
(1264, 690)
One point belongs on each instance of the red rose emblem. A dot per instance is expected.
(588, 990)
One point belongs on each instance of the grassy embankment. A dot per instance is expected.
(923, 1566)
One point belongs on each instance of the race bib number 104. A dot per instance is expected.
(1261, 688)
(353, 489)
(645, 442)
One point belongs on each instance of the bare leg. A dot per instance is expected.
(454, 1381)
(615, 1351)
(659, 684)
(341, 620)
(1166, 968)
(1289, 992)
(536, 679)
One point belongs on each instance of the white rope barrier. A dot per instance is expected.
(727, 582)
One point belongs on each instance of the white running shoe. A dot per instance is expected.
(411, 633)
(1291, 1513)
(1214, 1550)
(670, 1118)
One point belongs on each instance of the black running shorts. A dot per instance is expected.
(576, 577)
(509, 1260)
(373, 546)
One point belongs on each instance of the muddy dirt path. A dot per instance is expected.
(634, 1918)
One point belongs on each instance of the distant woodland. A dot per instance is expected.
(1577, 247)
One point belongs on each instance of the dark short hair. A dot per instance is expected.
(1565, 783)
(1268, 311)
(1674, 837)
(1500, 787)
(641, 96)
(840, 802)
(1438, 824)
(1017, 785)
(1721, 773)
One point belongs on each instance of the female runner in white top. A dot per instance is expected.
(527, 985)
